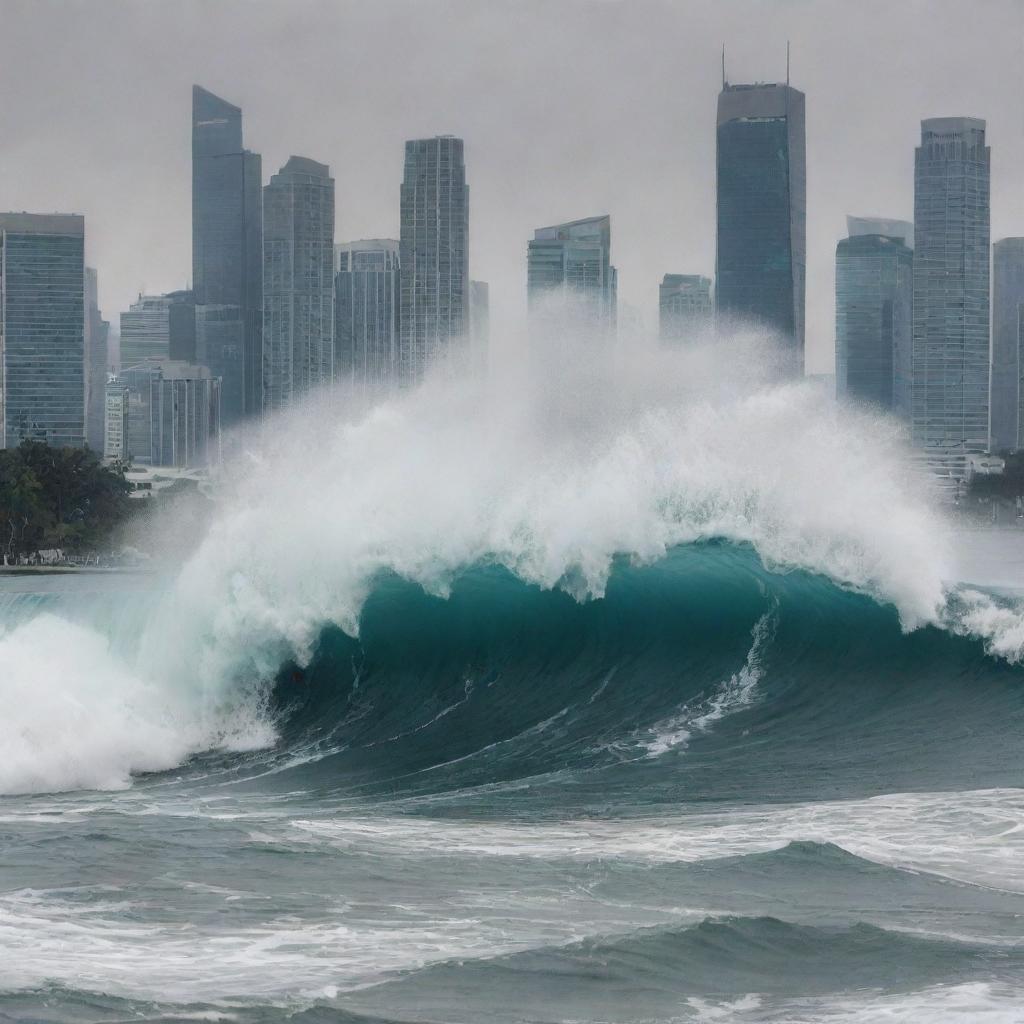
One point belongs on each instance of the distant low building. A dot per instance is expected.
(684, 306)
(115, 434)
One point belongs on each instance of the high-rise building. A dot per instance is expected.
(1007, 421)
(366, 296)
(762, 210)
(874, 313)
(96, 331)
(569, 272)
(298, 281)
(951, 292)
(115, 423)
(479, 324)
(684, 306)
(220, 342)
(42, 329)
(434, 253)
(227, 238)
(158, 327)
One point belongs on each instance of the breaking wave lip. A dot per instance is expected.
(550, 470)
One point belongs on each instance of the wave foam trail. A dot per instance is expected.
(551, 467)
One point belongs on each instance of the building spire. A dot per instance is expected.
(724, 82)
(787, 62)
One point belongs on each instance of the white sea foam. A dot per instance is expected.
(551, 467)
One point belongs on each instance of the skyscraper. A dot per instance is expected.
(762, 210)
(366, 304)
(874, 313)
(434, 253)
(298, 281)
(42, 329)
(1007, 422)
(96, 331)
(227, 239)
(684, 306)
(951, 291)
(569, 271)
(158, 327)
(479, 325)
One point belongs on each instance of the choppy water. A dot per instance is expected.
(614, 729)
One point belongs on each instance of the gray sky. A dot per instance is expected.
(568, 107)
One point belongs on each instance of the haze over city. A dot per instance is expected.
(567, 109)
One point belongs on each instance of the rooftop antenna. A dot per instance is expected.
(724, 82)
(787, 62)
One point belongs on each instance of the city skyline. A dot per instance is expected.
(644, 152)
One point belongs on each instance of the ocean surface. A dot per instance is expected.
(599, 746)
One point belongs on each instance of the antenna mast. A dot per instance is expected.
(724, 82)
(787, 62)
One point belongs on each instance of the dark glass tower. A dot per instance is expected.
(227, 239)
(366, 301)
(298, 281)
(434, 253)
(762, 210)
(684, 306)
(1007, 333)
(874, 314)
(951, 292)
(42, 329)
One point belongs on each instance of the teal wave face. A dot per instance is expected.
(704, 676)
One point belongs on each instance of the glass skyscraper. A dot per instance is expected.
(158, 327)
(434, 253)
(298, 281)
(762, 210)
(1007, 423)
(950, 399)
(874, 314)
(96, 332)
(569, 272)
(366, 296)
(684, 306)
(42, 329)
(227, 237)
(479, 325)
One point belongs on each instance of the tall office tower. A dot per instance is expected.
(220, 344)
(1007, 421)
(158, 327)
(227, 240)
(42, 329)
(96, 331)
(951, 292)
(874, 313)
(366, 303)
(479, 325)
(569, 272)
(298, 281)
(762, 210)
(434, 253)
(684, 306)
(185, 416)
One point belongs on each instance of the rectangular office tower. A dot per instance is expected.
(762, 211)
(158, 327)
(366, 302)
(684, 306)
(42, 329)
(569, 275)
(298, 281)
(96, 332)
(1007, 421)
(874, 314)
(951, 292)
(227, 244)
(434, 253)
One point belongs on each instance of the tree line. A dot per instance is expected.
(58, 498)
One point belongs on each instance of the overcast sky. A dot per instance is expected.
(569, 108)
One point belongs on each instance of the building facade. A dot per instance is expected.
(298, 281)
(158, 327)
(684, 306)
(96, 333)
(950, 385)
(761, 261)
(1006, 417)
(874, 318)
(116, 446)
(479, 325)
(42, 329)
(434, 253)
(569, 272)
(227, 238)
(220, 346)
(367, 295)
